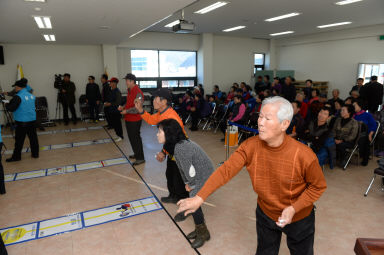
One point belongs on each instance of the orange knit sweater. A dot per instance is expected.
(283, 176)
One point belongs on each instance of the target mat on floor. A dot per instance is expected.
(64, 169)
(52, 132)
(64, 145)
(77, 221)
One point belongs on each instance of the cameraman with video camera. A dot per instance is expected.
(67, 97)
(23, 107)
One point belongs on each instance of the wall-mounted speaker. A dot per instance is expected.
(1, 55)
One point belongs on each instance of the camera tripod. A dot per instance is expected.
(58, 107)
(7, 114)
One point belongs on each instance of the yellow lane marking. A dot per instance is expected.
(93, 217)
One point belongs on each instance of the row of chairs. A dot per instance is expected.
(219, 115)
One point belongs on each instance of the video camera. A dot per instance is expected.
(58, 81)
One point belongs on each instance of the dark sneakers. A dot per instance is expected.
(180, 216)
(138, 162)
(132, 157)
(12, 159)
(169, 199)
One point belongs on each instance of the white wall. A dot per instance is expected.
(332, 56)
(233, 60)
(41, 62)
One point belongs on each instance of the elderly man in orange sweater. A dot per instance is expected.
(286, 188)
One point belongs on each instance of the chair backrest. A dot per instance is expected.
(41, 102)
(247, 115)
(362, 127)
(221, 111)
(213, 109)
(82, 99)
(376, 132)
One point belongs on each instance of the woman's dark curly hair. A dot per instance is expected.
(173, 134)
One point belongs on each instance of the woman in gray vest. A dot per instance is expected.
(195, 168)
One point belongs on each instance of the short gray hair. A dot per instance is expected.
(285, 111)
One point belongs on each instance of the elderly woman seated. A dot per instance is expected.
(366, 135)
(318, 136)
(345, 132)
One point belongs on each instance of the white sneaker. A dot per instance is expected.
(118, 139)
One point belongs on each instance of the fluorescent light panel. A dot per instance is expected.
(233, 28)
(335, 24)
(39, 22)
(285, 16)
(211, 7)
(282, 33)
(39, 1)
(347, 2)
(173, 23)
(47, 22)
(43, 22)
(50, 38)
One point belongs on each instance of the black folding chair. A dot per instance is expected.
(355, 150)
(379, 172)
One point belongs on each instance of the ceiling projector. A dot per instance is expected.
(183, 27)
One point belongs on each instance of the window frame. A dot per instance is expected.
(160, 79)
(255, 67)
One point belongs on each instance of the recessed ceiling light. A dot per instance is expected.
(283, 16)
(104, 27)
(282, 33)
(347, 2)
(38, 1)
(37, 9)
(43, 22)
(233, 28)
(335, 24)
(50, 38)
(211, 7)
(172, 23)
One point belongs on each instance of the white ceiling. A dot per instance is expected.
(252, 13)
(78, 22)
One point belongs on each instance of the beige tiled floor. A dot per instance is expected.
(343, 214)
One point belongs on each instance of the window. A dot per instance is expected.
(365, 71)
(177, 64)
(145, 63)
(186, 83)
(164, 69)
(147, 84)
(169, 83)
(258, 62)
